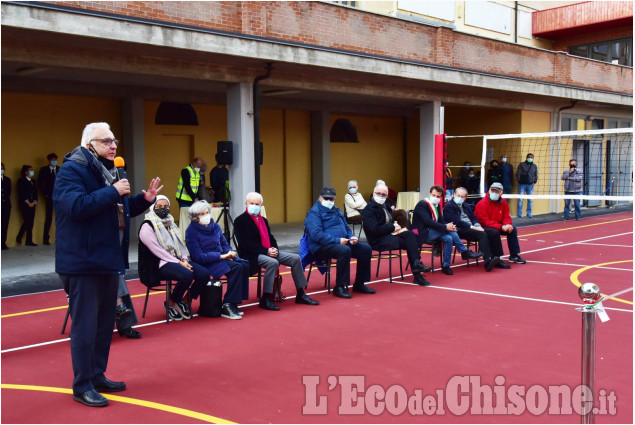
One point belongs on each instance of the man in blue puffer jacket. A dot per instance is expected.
(92, 218)
(330, 237)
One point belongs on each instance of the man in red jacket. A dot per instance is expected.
(493, 211)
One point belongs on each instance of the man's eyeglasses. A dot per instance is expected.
(381, 195)
(108, 141)
(328, 199)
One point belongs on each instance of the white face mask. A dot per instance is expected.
(328, 204)
(434, 201)
(379, 199)
(352, 190)
(205, 219)
(458, 200)
(503, 159)
(494, 196)
(253, 209)
(198, 170)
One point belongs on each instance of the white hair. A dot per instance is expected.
(461, 188)
(256, 195)
(381, 185)
(89, 130)
(352, 183)
(380, 182)
(199, 207)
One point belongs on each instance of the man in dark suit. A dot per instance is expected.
(428, 222)
(6, 206)
(382, 233)
(258, 246)
(468, 227)
(46, 180)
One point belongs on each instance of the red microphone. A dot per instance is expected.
(119, 164)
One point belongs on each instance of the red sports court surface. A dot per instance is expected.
(415, 354)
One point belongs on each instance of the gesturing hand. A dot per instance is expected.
(153, 189)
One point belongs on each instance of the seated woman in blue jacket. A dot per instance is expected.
(209, 248)
(330, 237)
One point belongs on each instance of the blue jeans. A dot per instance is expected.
(576, 204)
(523, 189)
(448, 239)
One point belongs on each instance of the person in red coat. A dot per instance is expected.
(493, 211)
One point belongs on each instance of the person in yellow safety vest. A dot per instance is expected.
(187, 191)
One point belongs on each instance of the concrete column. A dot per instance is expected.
(429, 125)
(320, 152)
(240, 130)
(133, 138)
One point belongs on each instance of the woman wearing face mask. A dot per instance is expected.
(208, 247)
(354, 203)
(27, 199)
(161, 241)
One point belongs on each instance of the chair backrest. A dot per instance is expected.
(148, 266)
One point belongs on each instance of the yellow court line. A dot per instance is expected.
(135, 401)
(577, 273)
(576, 227)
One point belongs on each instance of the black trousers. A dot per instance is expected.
(92, 301)
(496, 245)
(48, 220)
(237, 281)
(486, 239)
(404, 240)
(194, 280)
(28, 215)
(6, 214)
(342, 254)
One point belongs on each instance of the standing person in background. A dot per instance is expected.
(27, 198)
(92, 218)
(449, 180)
(508, 174)
(464, 173)
(46, 180)
(187, 192)
(527, 176)
(573, 181)
(354, 203)
(218, 178)
(495, 173)
(6, 206)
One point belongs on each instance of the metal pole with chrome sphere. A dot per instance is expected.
(589, 293)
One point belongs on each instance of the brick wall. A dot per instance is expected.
(333, 26)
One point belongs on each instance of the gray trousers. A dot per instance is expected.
(271, 266)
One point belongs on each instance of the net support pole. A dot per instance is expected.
(439, 160)
(588, 363)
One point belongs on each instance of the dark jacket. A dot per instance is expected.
(206, 244)
(87, 221)
(46, 180)
(6, 192)
(375, 226)
(325, 226)
(249, 240)
(423, 222)
(495, 175)
(27, 190)
(452, 214)
(217, 178)
(527, 173)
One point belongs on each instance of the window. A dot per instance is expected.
(619, 52)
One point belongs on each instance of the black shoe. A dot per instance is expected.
(109, 386)
(18, 240)
(363, 289)
(304, 299)
(173, 313)
(91, 398)
(267, 304)
(502, 265)
(227, 311)
(341, 292)
(184, 309)
(447, 270)
(419, 267)
(46, 243)
(471, 255)
(122, 311)
(4, 246)
(491, 263)
(420, 280)
(516, 259)
(237, 310)
(129, 333)
(30, 244)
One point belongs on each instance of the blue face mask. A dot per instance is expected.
(53, 163)
(31, 173)
(352, 190)
(467, 167)
(253, 209)
(328, 204)
(458, 200)
(530, 160)
(494, 196)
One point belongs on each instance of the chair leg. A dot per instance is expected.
(68, 313)
(308, 276)
(328, 276)
(400, 264)
(145, 304)
(378, 261)
(390, 266)
(259, 287)
(168, 290)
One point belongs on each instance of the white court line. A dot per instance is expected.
(579, 265)
(606, 244)
(575, 243)
(508, 296)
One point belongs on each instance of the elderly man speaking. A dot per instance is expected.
(92, 217)
(259, 247)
